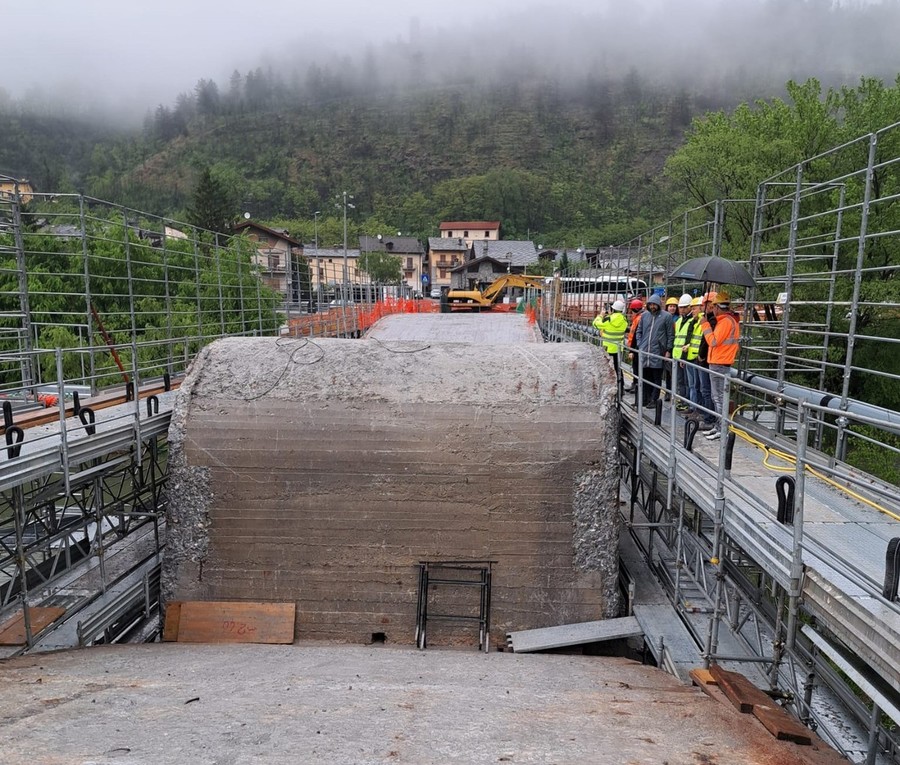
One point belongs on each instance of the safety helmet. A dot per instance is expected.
(672, 301)
(636, 305)
(697, 301)
(709, 297)
(619, 306)
(684, 301)
(723, 298)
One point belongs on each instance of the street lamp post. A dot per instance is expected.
(316, 215)
(346, 204)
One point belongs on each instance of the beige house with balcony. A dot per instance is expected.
(326, 269)
(443, 256)
(277, 257)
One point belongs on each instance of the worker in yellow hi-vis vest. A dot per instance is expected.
(612, 328)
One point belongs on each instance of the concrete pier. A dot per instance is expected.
(323, 472)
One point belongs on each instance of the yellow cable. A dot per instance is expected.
(792, 460)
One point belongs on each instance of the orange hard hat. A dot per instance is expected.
(710, 297)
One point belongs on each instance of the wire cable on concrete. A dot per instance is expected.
(279, 343)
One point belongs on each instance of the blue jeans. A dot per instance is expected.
(706, 395)
(692, 374)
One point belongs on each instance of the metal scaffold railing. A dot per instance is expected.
(780, 541)
(102, 309)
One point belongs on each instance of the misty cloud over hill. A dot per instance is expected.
(99, 55)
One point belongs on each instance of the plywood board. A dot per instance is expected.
(235, 622)
(173, 616)
(13, 632)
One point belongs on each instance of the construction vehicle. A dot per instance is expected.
(482, 300)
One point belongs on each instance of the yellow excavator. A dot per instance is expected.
(483, 299)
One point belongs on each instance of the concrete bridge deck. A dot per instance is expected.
(311, 703)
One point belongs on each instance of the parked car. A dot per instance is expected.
(435, 292)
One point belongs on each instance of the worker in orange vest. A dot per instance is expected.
(636, 306)
(724, 342)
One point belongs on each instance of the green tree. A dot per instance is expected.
(381, 267)
(726, 156)
(212, 207)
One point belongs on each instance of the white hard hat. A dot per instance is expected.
(619, 306)
(684, 300)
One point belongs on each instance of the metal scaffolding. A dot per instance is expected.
(747, 559)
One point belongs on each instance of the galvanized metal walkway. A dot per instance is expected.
(844, 541)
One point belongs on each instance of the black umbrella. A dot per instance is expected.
(714, 269)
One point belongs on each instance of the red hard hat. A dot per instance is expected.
(636, 304)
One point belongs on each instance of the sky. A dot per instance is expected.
(131, 55)
(163, 47)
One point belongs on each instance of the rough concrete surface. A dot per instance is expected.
(171, 704)
(323, 472)
(477, 328)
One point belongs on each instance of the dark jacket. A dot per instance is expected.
(655, 334)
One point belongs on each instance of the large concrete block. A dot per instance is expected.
(322, 473)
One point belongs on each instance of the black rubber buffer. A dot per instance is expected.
(784, 488)
(14, 438)
(729, 449)
(892, 570)
(88, 419)
(690, 430)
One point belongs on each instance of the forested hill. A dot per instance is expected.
(540, 157)
(560, 125)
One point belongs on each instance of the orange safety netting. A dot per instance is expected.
(337, 321)
(368, 316)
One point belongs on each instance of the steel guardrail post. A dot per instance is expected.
(797, 555)
(63, 431)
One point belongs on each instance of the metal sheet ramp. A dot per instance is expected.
(565, 635)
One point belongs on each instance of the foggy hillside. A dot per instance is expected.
(121, 64)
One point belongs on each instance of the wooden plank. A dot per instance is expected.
(236, 622)
(701, 677)
(781, 724)
(173, 615)
(739, 690)
(13, 631)
(49, 414)
(749, 699)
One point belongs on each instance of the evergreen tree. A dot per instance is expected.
(212, 207)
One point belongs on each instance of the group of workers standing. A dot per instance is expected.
(699, 334)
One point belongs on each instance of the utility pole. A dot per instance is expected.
(316, 215)
(346, 204)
